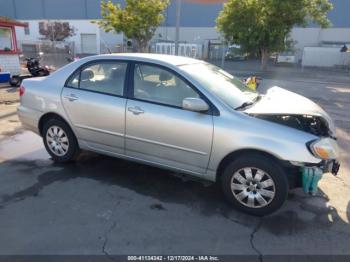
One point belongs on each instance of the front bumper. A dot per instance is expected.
(311, 175)
(297, 170)
(330, 166)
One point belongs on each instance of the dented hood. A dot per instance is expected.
(279, 101)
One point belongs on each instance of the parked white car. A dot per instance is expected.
(185, 115)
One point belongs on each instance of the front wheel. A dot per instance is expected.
(60, 141)
(255, 184)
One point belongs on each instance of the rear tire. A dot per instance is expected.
(255, 184)
(60, 141)
(15, 81)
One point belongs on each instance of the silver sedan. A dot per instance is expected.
(185, 115)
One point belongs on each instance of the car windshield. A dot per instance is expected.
(228, 88)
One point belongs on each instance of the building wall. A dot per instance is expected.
(81, 27)
(324, 56)
(10, 63)
(193, 14)
(111, 41)
(195, 35)
(304, 37)
(315, 37)
(197, 22)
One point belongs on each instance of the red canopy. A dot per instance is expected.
(5, 21)
(11, 24)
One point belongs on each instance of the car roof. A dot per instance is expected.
(157, 58)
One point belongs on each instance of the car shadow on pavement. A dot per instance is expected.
(301, 213)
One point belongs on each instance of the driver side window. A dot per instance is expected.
(152, 83)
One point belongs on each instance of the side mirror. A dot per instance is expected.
(195, 104)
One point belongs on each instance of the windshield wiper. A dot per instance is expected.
(244, 105)
(257, 98)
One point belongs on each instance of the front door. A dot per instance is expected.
(158, 129)
(93, 100)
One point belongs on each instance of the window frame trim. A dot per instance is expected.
(130, 90)
(12, 40)
(92, 62)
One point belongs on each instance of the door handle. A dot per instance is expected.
(71, 97)
(136, 110)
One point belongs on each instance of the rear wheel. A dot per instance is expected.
(15, 81)
(255, 184)
(60, 141)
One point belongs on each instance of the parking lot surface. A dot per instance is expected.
(102, 205)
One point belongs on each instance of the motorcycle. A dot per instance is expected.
(34, 68)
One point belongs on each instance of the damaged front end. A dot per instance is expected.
(295, 111)
(315, 125)
(324, 148)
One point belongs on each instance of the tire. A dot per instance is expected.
(60, 141)
(259, 194)
(15, 81)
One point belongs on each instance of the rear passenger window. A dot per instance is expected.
(156, 84)
(103, 77)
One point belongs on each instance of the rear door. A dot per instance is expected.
(158, 129)
(94, 100)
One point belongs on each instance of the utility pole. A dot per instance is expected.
(177, 33)
(223, 53)
(223, 47)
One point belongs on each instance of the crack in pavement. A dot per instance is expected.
(252, 235)
(256, 228)
(106, 235)
(105, 242)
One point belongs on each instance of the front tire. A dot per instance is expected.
(59, 141)
(255, 184)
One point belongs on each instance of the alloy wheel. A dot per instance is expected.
(57, 140)
(253, 187)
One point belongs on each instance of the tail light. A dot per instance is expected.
(21, 91)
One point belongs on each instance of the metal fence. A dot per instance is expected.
(58, 54)
(216, 50)
(54, 54)
(185, 49)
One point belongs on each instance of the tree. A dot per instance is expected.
(138, 20)
(261, 26)
(55, 31)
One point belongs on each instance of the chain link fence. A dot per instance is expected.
(53, 54)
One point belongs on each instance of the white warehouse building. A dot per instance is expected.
(197, 26)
